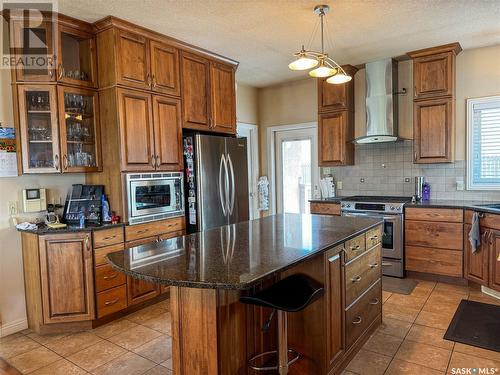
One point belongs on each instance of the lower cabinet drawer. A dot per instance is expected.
(373, 237)
(325, 208)
(436, 261)
(154, 228)
(106, 277)
(100, 254)
(360, 315)
(434, 234)
(355, 247)
(111, 301)
(361, 273)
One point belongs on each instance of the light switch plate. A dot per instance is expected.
(339, 185)
(12, 208)
(460, 185)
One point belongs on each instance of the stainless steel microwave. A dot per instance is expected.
(154, 196)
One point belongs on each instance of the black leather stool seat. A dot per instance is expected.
(293, 293)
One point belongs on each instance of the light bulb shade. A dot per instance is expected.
(303, 63)
(322, 71)
(338, 79)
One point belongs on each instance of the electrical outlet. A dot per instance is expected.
(12, 208)
(460, 185)
(339, 185)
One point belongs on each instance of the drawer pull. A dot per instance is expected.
(373, 265)
(357, 320)
(386, 264)
(334, 258)
(355, 247)
(374, 301)
(109, 238)
(373, 238)
(110, 277)
(142, 231)
(356, 279)
(112, 302)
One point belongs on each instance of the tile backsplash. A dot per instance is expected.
(384, 168)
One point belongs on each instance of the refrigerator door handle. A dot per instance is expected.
(233, 192)
(221, 194)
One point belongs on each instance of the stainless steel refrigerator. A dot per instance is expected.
(216, 181)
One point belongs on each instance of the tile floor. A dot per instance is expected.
(138, 344)
(408, 342)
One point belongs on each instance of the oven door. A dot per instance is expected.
(392, 238)
(149, 197)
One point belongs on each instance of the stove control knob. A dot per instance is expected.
(348, 205)
(393, 208)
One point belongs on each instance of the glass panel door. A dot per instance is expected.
(38, 120)
(296, 169)
(80, 147)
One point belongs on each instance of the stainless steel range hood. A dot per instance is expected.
(381, 102)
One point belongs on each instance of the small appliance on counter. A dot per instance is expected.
(419, 187)
(84, 205)
(34, 200)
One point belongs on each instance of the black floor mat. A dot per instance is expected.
(476, 324)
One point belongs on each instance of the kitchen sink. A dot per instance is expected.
(494, 206)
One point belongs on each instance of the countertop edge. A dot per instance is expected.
(46, 230)
(238, 286)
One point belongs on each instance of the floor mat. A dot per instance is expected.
(397, 285)
(476, 324)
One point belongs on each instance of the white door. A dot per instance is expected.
(250, 132)
(297, 171)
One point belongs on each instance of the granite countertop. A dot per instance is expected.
(43, 229)
(238, 256)
(327, 200)
(439, 203)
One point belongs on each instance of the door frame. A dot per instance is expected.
(271, 157)
(253, 172)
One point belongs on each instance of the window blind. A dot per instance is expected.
(485, 144)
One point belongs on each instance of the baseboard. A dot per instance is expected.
(13, 327)
(490, 292)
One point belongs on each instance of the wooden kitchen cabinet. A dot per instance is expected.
(433, 130)
(335, 133)
(325, 208)
(67, 278)
(132, 60)
(223, 99)
(139, 291)
(494, 244)
(476, 264)
(164, 68)
(333, 97)
(335, 306)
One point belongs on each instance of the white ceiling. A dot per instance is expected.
(263, 34)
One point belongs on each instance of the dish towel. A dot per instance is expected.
(475, 233)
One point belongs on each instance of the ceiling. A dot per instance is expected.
(263, 34)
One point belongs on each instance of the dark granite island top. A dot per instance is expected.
(238, 256)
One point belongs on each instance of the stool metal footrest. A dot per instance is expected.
(295, 354)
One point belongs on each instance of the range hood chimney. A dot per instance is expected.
(381, 102)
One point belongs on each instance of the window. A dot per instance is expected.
(483, 143)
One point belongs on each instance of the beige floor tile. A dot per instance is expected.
(432, 319)
(398, 367)
(159, 370)
(484, 298)
(407, 300)
(61, 367)
(369, 363)
(47, 339)
(130, 364)
(157, 350)
(347, 372)
(460, 360)
(451, 288)
(385, 296)
(33, 360)
(73, 343)
(114, 328)
(168, 364)
(424, 355)
(383, 344)
(394, 327)
(395, 311)
(430, 336)
(421, 292)
(443, 295)
(96, 355)
(134, 337)
(11, 337)
(477, 352)
(26, 331)
(165, 304)
(16, 345)
(426, 284)
(145, 314)
(162, 323)
(441, 306)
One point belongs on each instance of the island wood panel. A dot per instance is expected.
(434, 234)
(435, 214)
(432, 260)
(325, 208)
(494, 243)
(164, 68)
(476, 263)
(362, 273)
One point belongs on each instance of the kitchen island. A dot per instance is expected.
(213, 333)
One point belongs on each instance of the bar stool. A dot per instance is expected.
(292, 294)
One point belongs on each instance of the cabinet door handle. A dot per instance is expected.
(87, 243)
(154, 81)
(374, 301)
(415, 91)
(110, 277)
(148, 80)
(51, 73)
(65, 162)
(142, 231)
(334, 258)
(153, 162)
(61, 71)
(357, 320)
(157, 161)
(373, 265)
(112, 302)
(356, 279)
(56, 162)
(109, 238)
(415, 156)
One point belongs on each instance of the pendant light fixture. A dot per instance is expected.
(323, 64)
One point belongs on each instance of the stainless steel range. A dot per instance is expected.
(390, 209)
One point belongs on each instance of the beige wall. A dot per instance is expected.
(246, 104)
